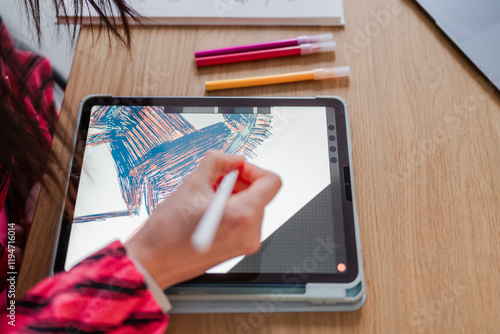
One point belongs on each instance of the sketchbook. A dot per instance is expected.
(226, 12)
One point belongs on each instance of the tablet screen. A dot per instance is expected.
(136, 156)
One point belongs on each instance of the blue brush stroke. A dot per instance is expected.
(151, 162)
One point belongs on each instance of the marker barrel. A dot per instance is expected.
(259, 81)
(303, 49)
(248, 47)
(317, 74)
(248, 56)
(266, 45)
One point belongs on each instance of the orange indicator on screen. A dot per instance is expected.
(341, 267)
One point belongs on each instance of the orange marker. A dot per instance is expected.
(319, 74)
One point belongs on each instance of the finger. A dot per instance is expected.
(240, 185)
(250, 172)
(262, 190)
(219, 163)
(215, 165)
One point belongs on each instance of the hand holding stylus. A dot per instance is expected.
(163, 246)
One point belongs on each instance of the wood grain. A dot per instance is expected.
(426, 146)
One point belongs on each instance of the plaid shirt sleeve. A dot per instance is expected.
(105, 293)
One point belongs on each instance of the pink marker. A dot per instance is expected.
(266, 45)
(300, 50)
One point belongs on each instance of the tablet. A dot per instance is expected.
(138, 150)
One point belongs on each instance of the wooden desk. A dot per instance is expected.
(426, 143)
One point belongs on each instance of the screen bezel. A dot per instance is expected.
(240, 278)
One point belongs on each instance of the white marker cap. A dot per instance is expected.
(332, 72)
(315, 38)
(307, 49)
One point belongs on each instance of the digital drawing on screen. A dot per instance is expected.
(136, 156)
(153, 152)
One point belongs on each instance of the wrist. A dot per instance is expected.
(142, 254)
(153, 287)
(167, 265)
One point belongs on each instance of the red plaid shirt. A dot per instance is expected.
(103, 294)
(106, 293)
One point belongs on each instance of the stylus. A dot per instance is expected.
(204, 234)
(299, 50)
(266, 45)
(319, 74)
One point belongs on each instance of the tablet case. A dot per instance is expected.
(315, 297)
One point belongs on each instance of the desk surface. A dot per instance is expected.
(426, 149)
